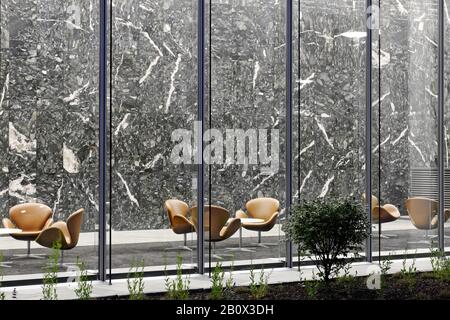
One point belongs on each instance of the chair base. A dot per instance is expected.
(28, 256)
(240, 250)
(385, 236)
(265, 244)
(179, 248)
(5, 265)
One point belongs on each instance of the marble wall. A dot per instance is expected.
(49, 101)
(49, 106)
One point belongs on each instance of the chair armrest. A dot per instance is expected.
(48, 223)
(446, 214)
(272, 220)
(8, 223)
(230, 229)
(241, 214)
(181, 224)
(49, 236)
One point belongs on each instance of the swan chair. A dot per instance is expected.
(179, 223)
(220, 228)
(66, 233)
(31, 218)
(383, 214)
(423, 213)
(260, 208)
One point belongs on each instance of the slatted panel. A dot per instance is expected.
(424, 183)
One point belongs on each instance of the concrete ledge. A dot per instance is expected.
(157, 285)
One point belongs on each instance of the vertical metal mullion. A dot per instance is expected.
(441, 131)
(369, 128)
(200, 118)
(288, 123)
(102, 141)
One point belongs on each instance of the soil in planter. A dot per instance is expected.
(421, 286)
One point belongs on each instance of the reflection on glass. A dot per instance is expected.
(407, 146)
(247, 94)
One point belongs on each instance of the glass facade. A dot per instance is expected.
(199, 111)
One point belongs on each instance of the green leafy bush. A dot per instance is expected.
(329, 229)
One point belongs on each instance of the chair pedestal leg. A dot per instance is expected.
(222, 255)
(240, 248)
(28, 255)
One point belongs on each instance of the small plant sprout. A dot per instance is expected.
(258, 288)
(84, 287)
(51, 273)
(217, 285)
(2, 294)
(135, 280)
(178, 288)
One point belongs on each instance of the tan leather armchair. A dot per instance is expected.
(31, 218)
(423, 212)
(424, 215)
(66, 233)
(219, 228)
(383, 214)
(177, 212)
(260, 208)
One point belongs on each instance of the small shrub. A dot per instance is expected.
(329, 229)
(229, 283)
(408, 273)
(347, 278)
(84, 288)
(217, 285)
(135, 280)
(51, 274)
(258, 288)
(312, 287)
(440, 265)
(178, 288)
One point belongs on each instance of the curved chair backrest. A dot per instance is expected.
(74, 226)
(422, 212)
(174, 207)
(262, 208)
(219, 218)
(375, 202)
(30, 216)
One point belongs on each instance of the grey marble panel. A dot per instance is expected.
(49, 108)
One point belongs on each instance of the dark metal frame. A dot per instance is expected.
(289, 123)
(289, 105)
(441, 130)
(102, 140)
(200, 147)
(369, 128)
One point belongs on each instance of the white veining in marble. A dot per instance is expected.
(172, 83)
(326, 187)
(20, 143)
(322, 128)
(70, 161)
(130, 195)
(149, 70)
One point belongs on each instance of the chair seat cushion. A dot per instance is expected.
(26, 235)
